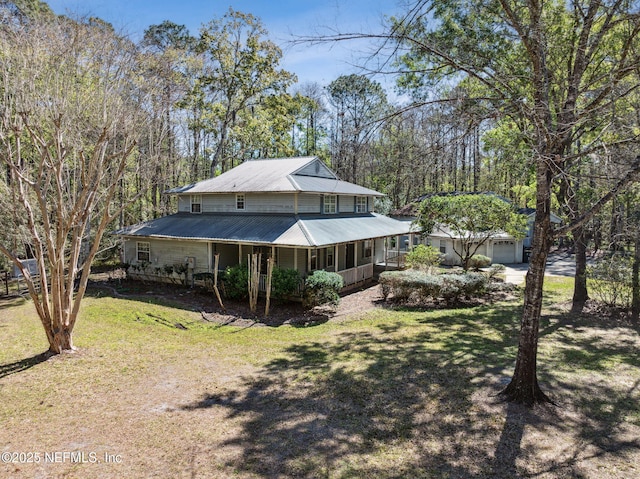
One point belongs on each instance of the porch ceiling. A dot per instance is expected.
(282, 230)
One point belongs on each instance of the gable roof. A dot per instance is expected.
(279, 175)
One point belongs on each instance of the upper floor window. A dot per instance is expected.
(330, 204)
(361, 204)
(240, 201)
(196, 203)
(143, 251)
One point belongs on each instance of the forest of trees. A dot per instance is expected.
(219, 97)
(537, 102)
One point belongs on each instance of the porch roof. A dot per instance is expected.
(279, 230)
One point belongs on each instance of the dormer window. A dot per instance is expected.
(361, 204)
(240, 201)
(196, 203)
(330, 204)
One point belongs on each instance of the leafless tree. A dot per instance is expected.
(70, 116)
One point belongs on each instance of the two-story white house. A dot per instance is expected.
(295, 210)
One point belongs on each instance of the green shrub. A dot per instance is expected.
(610, 280)
(321, 288)
(478, 261)
(411, 283)
(399, 283)
(424, 258)
(235, 280)
(495, 270)
(430, 286)
(404, 284)
(284, 283)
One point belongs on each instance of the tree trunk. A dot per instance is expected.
(580, 293)
(524, 387)
(635, 281)
(60, 340)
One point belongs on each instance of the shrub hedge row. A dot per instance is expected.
(403, 285)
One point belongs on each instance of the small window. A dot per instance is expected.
(367, 248)
(240, 201)
(143, 252)
(330, 204)
(329, 257)
(196, 204)
(361, 204)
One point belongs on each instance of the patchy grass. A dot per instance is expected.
(154, 391)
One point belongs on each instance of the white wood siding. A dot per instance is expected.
(347, 203)
(309, 203)
(225, 203)
(184, 204)
(270, 203)
(254, 203)
(170, 252)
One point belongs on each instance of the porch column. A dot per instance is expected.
(209, 249)
(295, 258)
(335, 258)
(398, 250)
(308, 260)
(386, 252)
(273, 253)
(355, 254)
(373, 251)
(239, 254)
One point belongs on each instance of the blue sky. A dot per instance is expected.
(282, 19)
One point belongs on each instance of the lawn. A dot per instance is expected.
(156, 391)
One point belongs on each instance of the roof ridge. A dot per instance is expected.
(305, 231)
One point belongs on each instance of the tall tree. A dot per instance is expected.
(167, 48)
(359, 104)
(312, 131)
(555, 67)
(70, 114)
(241, 67)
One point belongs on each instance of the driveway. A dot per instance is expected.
(558, 264)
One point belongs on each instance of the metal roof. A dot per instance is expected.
(312, 184)
(276, 175)
(280, 230)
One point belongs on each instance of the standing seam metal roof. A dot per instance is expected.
(283, 230)
(275, 175)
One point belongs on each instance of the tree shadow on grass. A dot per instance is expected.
(387, 403)
(23, 364)
(413, 399)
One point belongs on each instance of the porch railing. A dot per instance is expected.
(350, 276)
(357, 275)
(396, 258)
